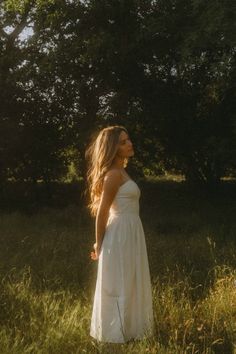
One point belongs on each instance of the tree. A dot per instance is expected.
(165, 69)
(31, 117)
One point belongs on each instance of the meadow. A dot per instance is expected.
(48, 280)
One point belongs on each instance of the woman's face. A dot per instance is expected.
(125, 146)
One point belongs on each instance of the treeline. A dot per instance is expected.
(164, 68)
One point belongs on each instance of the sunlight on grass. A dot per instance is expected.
(58, 321)
(47, 280)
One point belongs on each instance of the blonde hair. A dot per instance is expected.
(100, 155)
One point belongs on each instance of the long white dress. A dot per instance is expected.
(122, 307)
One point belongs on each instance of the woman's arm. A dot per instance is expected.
(112, 182)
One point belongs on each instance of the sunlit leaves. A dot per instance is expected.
(21, 5)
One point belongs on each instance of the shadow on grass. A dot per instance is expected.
(187, 232)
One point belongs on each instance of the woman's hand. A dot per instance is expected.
(95, 254)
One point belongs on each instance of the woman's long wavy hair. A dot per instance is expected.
(101, 154)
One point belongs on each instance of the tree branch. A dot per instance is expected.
(22, 24)
(3, 33)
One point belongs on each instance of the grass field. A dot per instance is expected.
(48, 280)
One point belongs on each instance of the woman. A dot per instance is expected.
(122, 308)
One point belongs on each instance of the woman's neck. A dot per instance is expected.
(118, 163)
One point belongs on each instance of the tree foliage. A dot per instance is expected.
(165, 69)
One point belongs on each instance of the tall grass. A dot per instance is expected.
(47, 278)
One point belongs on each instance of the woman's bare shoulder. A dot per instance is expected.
(113, 176)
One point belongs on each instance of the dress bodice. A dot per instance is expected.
(126, 200)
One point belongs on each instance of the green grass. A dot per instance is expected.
(48, 280)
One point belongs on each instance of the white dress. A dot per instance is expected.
(122, 307)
